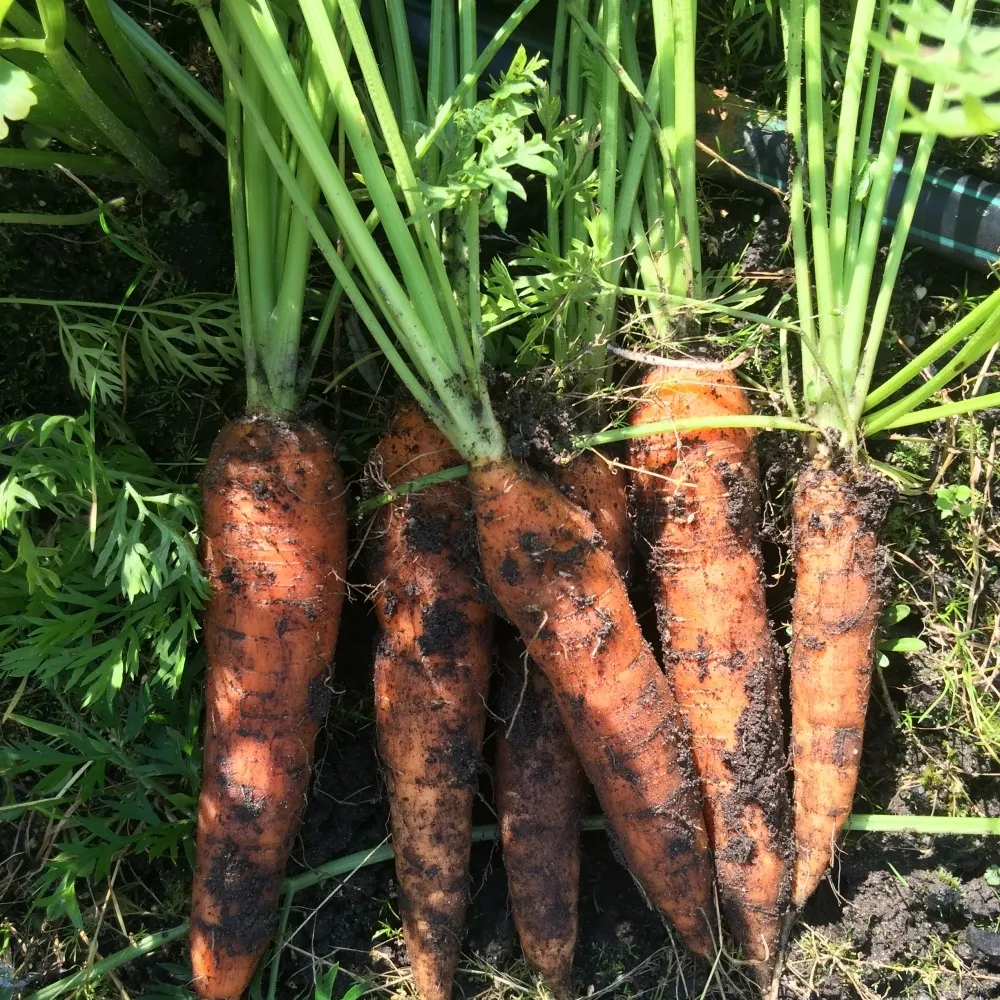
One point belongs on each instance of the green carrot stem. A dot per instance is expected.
(238, 223)
(281, 168)
(409, 86)
(929, 414)
(416, 261)
(844, 157)
(162, 61)
(827, 318)
(978, 345)
(124, 141)
(958, 332)
(41, 219)
(791, 13)
(859, 286)
(863, 147)
(130, 64)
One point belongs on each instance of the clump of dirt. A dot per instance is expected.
(539, 426)
(892, 911)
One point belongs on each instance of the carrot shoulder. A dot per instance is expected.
(698, 507)
(431, 673)
(837, 514)
(275, 548)
(556, 580)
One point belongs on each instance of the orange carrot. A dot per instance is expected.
(596, 486)
(431, 673)
(541, 791)
(540, 784)
(556, 581)
(698, 507)
(836, 517)
(275, 548)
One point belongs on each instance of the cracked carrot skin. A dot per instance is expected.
(432, 668)
(541, 787)
(556, 581)
(698, 507)
(275, 550)
(837, 513)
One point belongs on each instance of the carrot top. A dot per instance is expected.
(423, 312)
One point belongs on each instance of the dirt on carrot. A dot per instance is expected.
(275, 551)
(541, 791)
(432, 668)
(551, 572)
(837, 514)
(698, 513)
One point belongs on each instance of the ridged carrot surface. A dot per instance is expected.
(836, 517)
(431, 673)
(541, 786)
(698, 509)
(275, 551)
(556, 580)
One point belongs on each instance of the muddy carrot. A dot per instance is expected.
(837, 513)
(275, 547)
(431, 672)
(540, 784)
(698, 510)
(541, 791)
(594, 484)
(556, 581)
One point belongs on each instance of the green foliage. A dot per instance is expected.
(99, 577)
(131, 785)
(955, 499)
(489, 143)
(968, 65)
(326, 980)
(191, 336)
(17, 96)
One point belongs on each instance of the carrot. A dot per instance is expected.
(540, 784)
(275, 545)
(541, 791)
(556, 581)
(431, 673)
(698, 506)
(593, 484)
(836, 517)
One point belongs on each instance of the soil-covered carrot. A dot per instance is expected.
(557, 582)
(540, 784)
(698, 508)
(541, 790)
(837, 513)
(275, 548)
(431, 673)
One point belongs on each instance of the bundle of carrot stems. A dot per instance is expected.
(339, 152)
